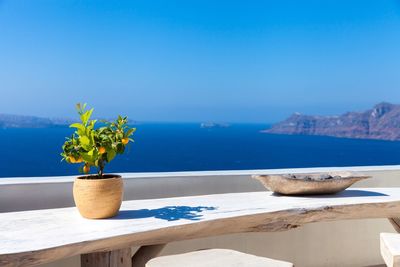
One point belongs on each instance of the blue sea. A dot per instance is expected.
(165, 147)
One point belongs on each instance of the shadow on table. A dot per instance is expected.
(169, 213)
(345, 193)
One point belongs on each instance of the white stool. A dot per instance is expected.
(390, 249)
(215, 258)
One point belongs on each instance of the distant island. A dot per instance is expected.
(209, 125)
(381, 122)
(21, 121)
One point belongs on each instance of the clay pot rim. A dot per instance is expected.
(95, 177)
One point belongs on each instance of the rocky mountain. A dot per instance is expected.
(19, 121)
(380, 122)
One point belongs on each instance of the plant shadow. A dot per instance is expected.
(168, 213)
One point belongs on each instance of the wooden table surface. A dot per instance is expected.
(30, 238)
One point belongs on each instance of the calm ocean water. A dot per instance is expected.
(187, 147)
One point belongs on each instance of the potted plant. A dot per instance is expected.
(96, 195)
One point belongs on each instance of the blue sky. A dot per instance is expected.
(235, 61)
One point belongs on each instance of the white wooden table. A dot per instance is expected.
(31, 238)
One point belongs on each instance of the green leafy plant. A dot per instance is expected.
(95, 147)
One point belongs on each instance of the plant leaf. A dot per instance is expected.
(77, 126)
(111, 155)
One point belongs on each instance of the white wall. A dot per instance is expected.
(345, 243)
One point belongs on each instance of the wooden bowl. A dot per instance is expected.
(309, 183)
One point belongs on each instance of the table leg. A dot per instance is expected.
(395, 223)
(146, 253)
(115, 258)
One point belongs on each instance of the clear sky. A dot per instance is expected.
(234, 61)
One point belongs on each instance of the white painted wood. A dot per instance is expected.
(215, 258)
(34, 237)
(390, 249)
(194, 174)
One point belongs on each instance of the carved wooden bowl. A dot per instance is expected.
(309, 183)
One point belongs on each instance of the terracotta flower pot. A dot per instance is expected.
(98, 198)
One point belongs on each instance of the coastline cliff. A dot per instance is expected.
(381, 122)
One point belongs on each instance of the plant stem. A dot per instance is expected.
(101, 169)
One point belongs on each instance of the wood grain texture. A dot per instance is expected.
(395, 223)
(390, 249)
(115, 258)
(146, 253)
(35, 237)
